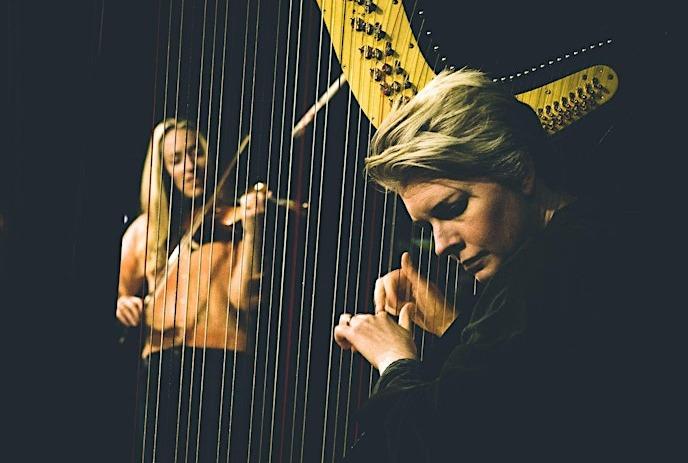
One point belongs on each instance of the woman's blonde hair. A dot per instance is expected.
(460, 126)
(154, 197)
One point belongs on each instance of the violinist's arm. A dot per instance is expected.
(131, 275)
(245, 277)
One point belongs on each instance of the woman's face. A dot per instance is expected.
(477, 222)
(181, 154)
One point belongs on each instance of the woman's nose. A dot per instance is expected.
(444, 241)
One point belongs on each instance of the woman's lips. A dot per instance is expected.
(474, 262)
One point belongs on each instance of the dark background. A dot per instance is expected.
(82, 85)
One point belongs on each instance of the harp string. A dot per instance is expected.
(141, 330)
(189, 274)
(264, 234)
(274, 237)
(395, 26)
(307, 247)
(286, 226)
(349, 356)
(366, 297)
(336, 273)
(202, 236)
(167, 225)
(252, 264)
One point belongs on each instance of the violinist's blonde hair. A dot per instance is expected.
(154, 197)
(460, 126)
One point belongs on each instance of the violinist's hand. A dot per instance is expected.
(429, 308)
(252, 206)
(378, 337)
(129, 310)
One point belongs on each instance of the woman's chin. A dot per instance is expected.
(191, 193)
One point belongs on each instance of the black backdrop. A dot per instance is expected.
(79, 88)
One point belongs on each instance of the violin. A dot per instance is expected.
(226, 219)
(229, 215)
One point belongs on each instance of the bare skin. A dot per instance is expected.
(480, 224)
(206, 298)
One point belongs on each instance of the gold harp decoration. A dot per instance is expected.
(383, 63)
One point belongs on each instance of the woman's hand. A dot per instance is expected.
(398, 288)
(129, 309)
(377, 337)
(252, 207)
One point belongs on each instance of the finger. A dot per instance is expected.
(133, 304)
(393, 289)
(344, 318)
(379, 299)
(134, 317)
(407, 267)
(359, 318)
(124, 315)
(406, 316)
(340, 336)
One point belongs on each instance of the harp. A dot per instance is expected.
(301, 391)
(385, 65)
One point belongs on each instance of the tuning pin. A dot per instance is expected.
(386, 89)
(387, 69)
(396, 87)
(379, 33)
(368, 52)
(370, 6)
(358, 24)
(377, 74)
(389, 51)
(397, 68)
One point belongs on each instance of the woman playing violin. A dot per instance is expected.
(194, 296)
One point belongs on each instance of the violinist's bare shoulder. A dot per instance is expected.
(134, 238)
(133, 255)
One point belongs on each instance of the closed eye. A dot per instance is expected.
(450, 210)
